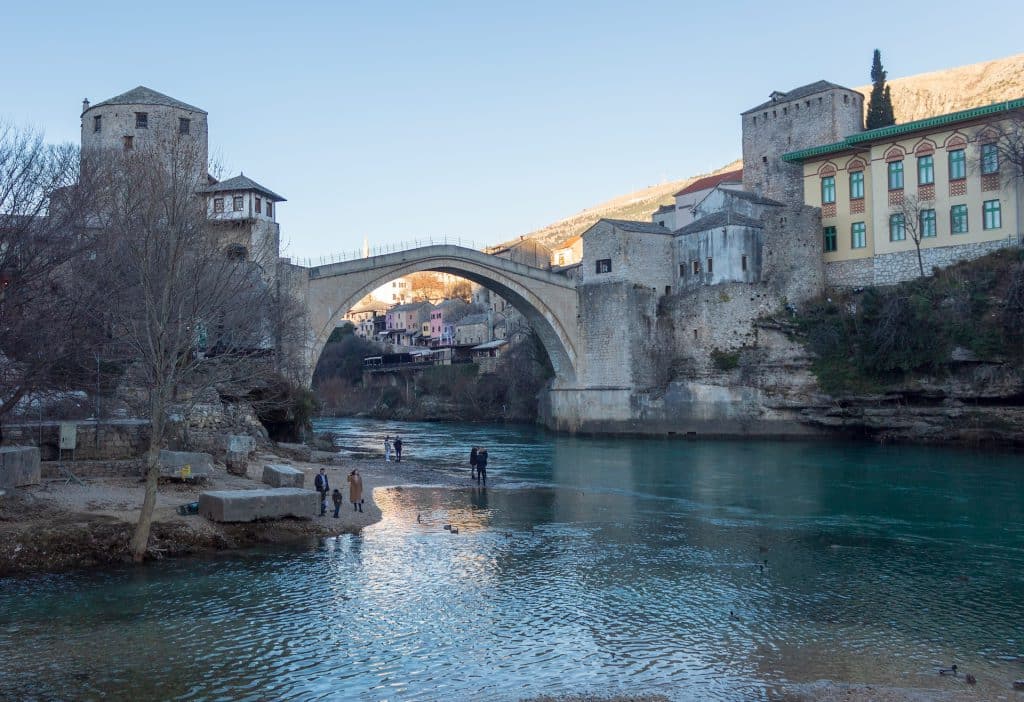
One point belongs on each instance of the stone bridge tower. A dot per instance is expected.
(811, 115)
(143, 119)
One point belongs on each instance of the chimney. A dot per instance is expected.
(85, 104)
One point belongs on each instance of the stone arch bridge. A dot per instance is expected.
(547, 300)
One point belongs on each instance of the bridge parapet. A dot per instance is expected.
(395, 247)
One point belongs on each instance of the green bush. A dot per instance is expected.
(725, 360)
(863, 341)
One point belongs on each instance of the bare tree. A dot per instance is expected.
(192, 312)
(912, 210)
(1008, 138)
(43, 335)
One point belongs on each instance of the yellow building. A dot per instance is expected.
(937, 180)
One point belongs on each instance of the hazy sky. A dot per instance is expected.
(476, 119)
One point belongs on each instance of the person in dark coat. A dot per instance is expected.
(472, 463)
(481, 466)
(398, 450)
(323, 486)
(338, 499)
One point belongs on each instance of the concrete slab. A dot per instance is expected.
(19, 466)
(283, 476)
(200, 465)
(249, 505)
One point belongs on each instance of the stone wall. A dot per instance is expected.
(791, 125)
(792, 263)
(133, 468)
(105, 441)
(888, 269)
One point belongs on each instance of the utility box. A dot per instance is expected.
(68, 436)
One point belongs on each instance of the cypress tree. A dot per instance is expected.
(880, 112)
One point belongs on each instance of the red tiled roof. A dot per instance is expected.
(711, 181)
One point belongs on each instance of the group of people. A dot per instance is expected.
(355, 492)
(478, 464)
(387, 449)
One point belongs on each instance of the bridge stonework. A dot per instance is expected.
(547, 300)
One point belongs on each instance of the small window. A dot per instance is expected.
(989, 159)
(992, 216)
(218, 204)
(858, 235)
(604, 265)
(668, 289)
(957, 165)
(829, 238)
(236, 203)
(97, 123)
(711, 265)
(927, 223)
(743, 262)
(828, 189)
(897, 228)
(682, 270)
(184, 125)
(958, 219)
(895, 175)
(857, 185)
(129, 143)
(142, 120)
(696, 267)
(270, 208)
(259, 205)
(925, 170)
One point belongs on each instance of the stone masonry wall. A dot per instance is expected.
(897, 267)
(772, 131)
(792, 263)
(892, 268)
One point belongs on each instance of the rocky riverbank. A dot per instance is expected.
(61, 525)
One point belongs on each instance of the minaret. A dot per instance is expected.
(366, 247)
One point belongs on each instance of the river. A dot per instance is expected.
(700, 570)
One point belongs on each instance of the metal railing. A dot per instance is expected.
(388, 248)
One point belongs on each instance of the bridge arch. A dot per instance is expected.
(546, 300)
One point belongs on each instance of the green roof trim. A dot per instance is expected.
(899, 129)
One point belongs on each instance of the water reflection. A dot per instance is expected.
(590, 565)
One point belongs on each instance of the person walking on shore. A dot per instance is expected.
(472, 463)
(398, 450)
(355, 490)
(387, 449)
(481, 466)
(337, 498)
(323, 486)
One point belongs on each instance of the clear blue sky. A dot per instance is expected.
(483, 120)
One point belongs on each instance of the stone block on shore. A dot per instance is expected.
(249, 505)
(283, 476)
(172, 463)
(240, 443)
(19, 466)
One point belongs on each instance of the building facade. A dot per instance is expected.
(937, 180)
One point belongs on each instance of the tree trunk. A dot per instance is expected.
(920, 263)
(140, 539)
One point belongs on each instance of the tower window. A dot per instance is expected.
(743, 262)
(711, 267)
(604, 265)
(259, 205)
(97, 123)
(129, 143)
(696, 267)
(184, 125)
(236, 203)
(270, 208)
(142, 120)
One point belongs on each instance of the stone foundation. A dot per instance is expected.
(892, 268)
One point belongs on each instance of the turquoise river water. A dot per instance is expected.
(698, 570)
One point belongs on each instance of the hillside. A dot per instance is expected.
(914, 97)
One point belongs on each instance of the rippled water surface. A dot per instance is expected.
(590, 565)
